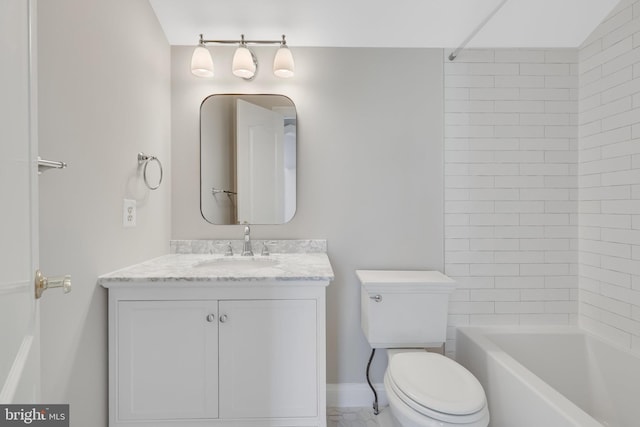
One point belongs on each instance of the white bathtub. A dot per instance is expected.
(552, 377)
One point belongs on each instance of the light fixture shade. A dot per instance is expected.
(201, 62)
(243, 63)
(283, 65)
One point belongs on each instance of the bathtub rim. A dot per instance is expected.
(542, 390)
(536, 329)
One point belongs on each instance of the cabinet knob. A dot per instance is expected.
(223, 318)
(376, 298)
(211, 318)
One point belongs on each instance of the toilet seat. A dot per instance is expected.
(436, 387)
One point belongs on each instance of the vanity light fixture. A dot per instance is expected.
(283, 65)
(201, 61)
(245, 63)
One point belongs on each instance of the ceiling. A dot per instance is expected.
(389, 23)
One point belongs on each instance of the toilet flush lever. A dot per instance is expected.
(376, 298)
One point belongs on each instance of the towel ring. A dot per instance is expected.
(146, 159)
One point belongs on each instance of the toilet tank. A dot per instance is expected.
(404, 308)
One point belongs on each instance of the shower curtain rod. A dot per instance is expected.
(466, 41)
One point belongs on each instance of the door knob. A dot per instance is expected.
(42, 283)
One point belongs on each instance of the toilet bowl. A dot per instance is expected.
(405, 312)
(430, 390)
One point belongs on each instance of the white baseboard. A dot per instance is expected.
(354, 395)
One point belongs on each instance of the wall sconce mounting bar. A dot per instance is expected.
(243, 41)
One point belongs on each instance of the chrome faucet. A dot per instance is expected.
(246, 248)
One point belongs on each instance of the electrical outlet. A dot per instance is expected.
(129, 213)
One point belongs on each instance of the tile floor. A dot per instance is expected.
(351, 417)
(359, 417)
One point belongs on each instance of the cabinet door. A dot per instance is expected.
(268, 359)
(167, 360)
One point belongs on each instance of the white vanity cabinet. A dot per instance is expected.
(166, 360)
(268, 358)
(217, 354)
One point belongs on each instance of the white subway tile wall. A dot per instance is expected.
(511, 187)
(609, 177)
(542, 185)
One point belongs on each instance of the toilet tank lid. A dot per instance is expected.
(427, 280)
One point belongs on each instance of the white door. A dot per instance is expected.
(260, 164)
(19, 324)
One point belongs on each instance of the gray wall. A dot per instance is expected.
(370, 168)
(103, 96)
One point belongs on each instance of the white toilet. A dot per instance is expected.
(405, 312)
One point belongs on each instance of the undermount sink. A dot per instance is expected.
(250, 263)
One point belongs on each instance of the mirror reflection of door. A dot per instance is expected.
(260, 164)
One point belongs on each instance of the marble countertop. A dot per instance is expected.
(216, 268)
